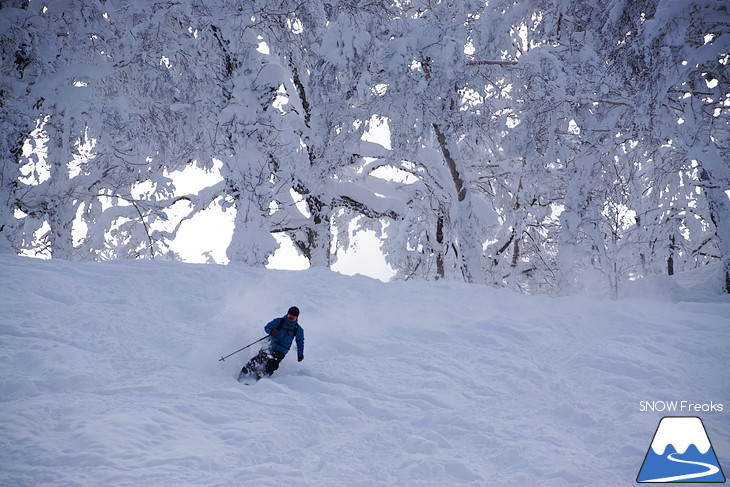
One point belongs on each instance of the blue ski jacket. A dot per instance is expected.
(281, 341)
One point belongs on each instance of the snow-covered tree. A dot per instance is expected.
(326, 50)
(697, 89)
(672, 62)
(143, 126)
(610, 108)
(433, 102)
(48, 198)
(530, 144)
(19, 69)
(106, 113)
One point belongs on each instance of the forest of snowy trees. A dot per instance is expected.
(540, 145)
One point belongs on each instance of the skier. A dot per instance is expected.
(282, 332)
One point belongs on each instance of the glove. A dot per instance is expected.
(275, 331)
(300, 358)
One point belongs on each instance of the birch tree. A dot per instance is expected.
(425, 85)
(326, 51)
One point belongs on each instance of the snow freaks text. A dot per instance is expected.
(680, 407)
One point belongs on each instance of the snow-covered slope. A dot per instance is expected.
(109, 376)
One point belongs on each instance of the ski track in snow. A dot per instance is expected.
(109, 375)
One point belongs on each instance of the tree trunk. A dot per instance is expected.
(468, 247)
(719, 206)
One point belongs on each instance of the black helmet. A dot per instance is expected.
(294, 311)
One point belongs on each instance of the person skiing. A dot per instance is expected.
(282, 332)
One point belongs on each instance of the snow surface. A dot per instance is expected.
(109, 376)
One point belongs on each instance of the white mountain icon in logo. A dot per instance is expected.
(680, 452)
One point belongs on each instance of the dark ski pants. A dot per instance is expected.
(263, 364)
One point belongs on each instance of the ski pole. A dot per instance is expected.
(244, 348)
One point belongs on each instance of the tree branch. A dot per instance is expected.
(492, 63)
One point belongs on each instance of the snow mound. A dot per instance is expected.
(704, 284)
